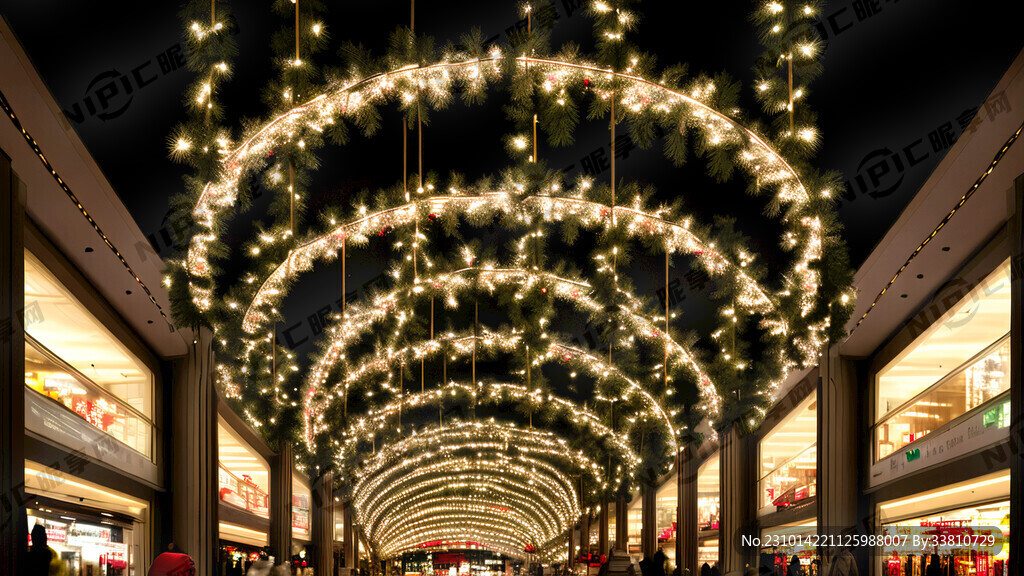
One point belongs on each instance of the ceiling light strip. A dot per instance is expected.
(963, 200)
(9, 111)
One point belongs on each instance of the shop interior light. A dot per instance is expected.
(948, 492)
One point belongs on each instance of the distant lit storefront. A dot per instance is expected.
(789, 461)
(453, 559)
(708, 509)
(789, 543)
(302, 497)
(88, 406)
(938, 400)
(666, 517)
(787, 489)
(244, 493)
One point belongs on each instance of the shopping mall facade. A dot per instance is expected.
(119, 443)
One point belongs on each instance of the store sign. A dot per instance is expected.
(82, 533)
(300, 519)
(55, 531)
(984, 428)
(300, 512)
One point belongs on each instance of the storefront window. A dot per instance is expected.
(959, 363)
(976, 524)
(47, 375)
(636, 525)
(666, 517)
(243, 493)
(789, 460)
(790, 551)
(71, 357)
(708, 494)
(301, 496)
(82, 548)
(244, 475)
(707, 552)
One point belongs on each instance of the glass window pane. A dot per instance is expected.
(985, 378)
(52, 379)
(789, 459)
(58, 321)
(708, 499)
(977, 321)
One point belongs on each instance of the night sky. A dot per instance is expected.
(901, 79)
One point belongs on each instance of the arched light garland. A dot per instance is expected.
(625, 89)
(755, 155)
(634, 220)
(422, 475)
(448, 285)
(366, 427)
(462, 345)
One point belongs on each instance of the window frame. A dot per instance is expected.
(96, 304)
(77, 375)
(952, 423)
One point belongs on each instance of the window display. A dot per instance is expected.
(666, 515)
(72, 358)
(959, 363)
(84, 549)
(243, 493)
(789, 460)
(794, 556)
(984, 378)
(707, 552)
(47, 375)
(65, 327)
(300, 514)
(989, 520)
(708, 500)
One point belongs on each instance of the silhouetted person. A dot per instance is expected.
(645, 567)
(932, 570)
(714, 570)
(658, 563)
(705, 569)
(40, 556)
(794, 566)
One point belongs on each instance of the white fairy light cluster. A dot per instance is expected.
(505, 486)
(315, 115)
(368, 426)
(448, 286)
(755, 155)
(471, 481)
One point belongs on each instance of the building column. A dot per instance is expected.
(585, 533)
(1016, 539)
(356, 532)
(571, 547)
(838, 452)
(686, 510)
(349, 540)
(281, 469)
(621, 524)
(649, 520)
(13, 522)
(323, 524)
(194, 476)
(736, 507)
(602, 528)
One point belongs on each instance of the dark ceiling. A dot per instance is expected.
(901, 79)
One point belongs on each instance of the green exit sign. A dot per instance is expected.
(997, 417)
(913, 454)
